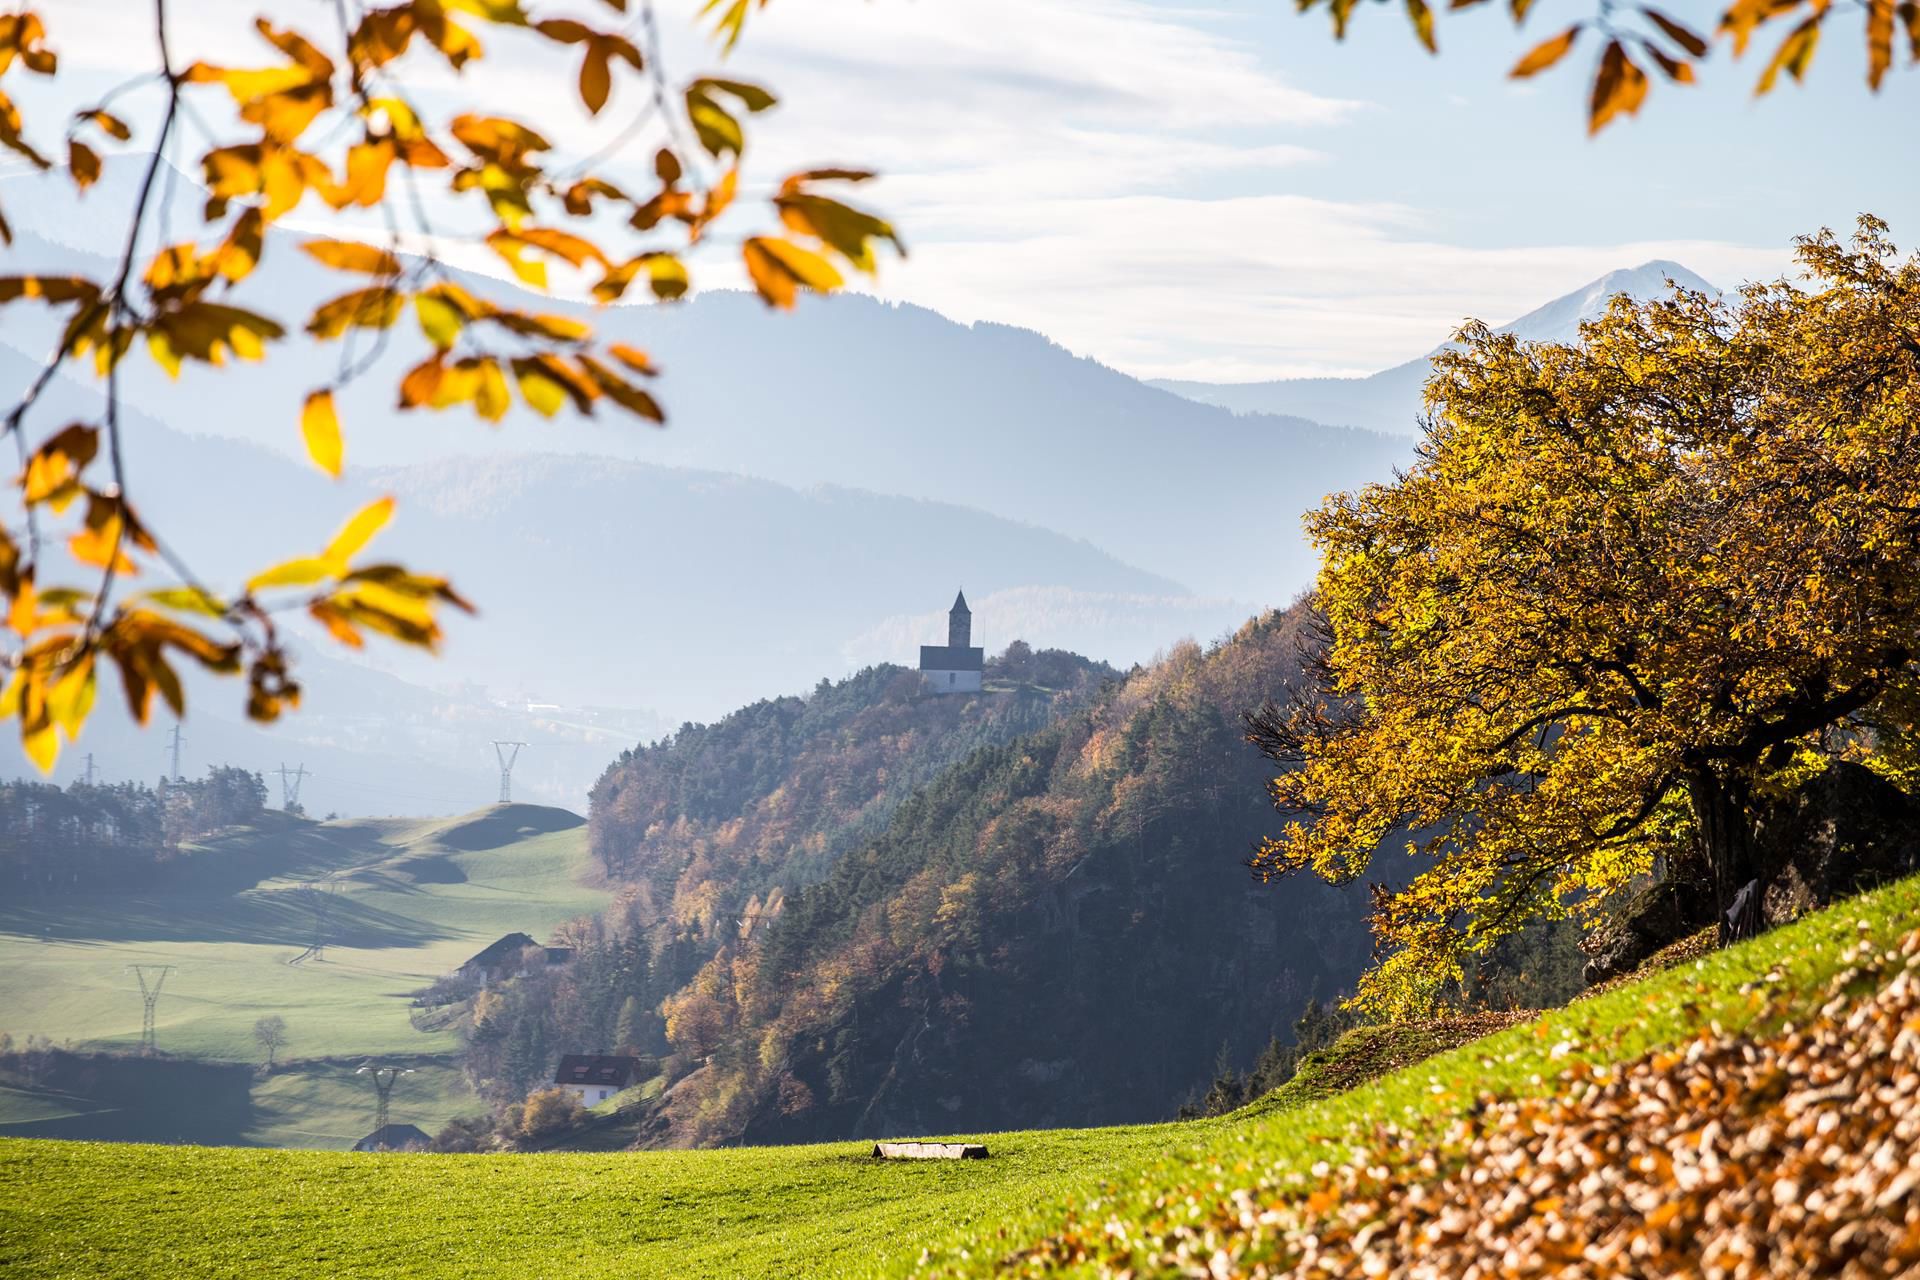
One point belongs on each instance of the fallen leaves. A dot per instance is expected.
(1791, 1154)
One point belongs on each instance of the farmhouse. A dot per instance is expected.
(593, 1077)
(955, 666)
(395, 1137)
(508, 958)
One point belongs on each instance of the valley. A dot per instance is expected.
(399, 903)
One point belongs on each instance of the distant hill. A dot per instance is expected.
(774, 793)
(1055, 931)
(1389, 401)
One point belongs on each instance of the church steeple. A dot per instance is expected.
(959, 623)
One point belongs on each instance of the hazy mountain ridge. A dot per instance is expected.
(1390, 400)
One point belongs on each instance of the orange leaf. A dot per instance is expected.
(1681, 35)
(1618, 89)
(1546, 53)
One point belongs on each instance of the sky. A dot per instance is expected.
(1221, 191)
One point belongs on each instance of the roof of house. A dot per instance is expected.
(940, 657)
(613, 1070)
(498, 953)
(960, 604)
(393, 1136)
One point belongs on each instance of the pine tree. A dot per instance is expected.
(630, 1027)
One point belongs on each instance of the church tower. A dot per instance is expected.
(956, 666)
(959, 623)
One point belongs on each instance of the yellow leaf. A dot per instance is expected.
(41, 744)
(303, 572)
(187, 600)
(1793, 56)
(320, 425)
(440, 320)
(351, 255)
(542, 394)
(71, 699)
(1422, 18)
(779, 268)
(357, 532)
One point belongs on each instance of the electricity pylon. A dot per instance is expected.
(290, 780)
(383, 1086)
(506, 759)
(150, 996)
(177, 742)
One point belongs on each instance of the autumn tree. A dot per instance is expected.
(1630, 593)
(327, 124)
(1632, 39)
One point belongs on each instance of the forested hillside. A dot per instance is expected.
(704, 832)
(1054, 932)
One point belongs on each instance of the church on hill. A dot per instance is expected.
(955, 666)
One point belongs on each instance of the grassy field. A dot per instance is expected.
(70, 1209)
(405, 901)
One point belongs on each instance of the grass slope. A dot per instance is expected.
(83, 1210)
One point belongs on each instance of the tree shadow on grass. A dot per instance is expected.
(285, 917)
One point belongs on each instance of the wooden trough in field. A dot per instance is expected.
(929, 1151)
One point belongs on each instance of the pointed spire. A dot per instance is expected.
(960, 604)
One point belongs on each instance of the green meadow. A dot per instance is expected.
(84, 1209)
(404, 902)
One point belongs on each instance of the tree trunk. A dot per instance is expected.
(1723, 809)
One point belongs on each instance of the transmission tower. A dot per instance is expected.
(177, 743)
(290, 780)
(507, 758)
(152, 977)
(383, 1081)
(89, 778)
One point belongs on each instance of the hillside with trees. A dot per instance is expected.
(81, 838)
(1053, 932)
(705, 832)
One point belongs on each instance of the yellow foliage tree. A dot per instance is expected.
(326, 125)
(1627, 585)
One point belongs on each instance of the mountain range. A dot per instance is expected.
(1390, 400)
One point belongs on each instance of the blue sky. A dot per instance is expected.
(1222, 190)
